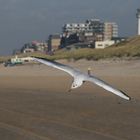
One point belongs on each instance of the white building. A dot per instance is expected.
(103, 44)
(17, 60)
(138, 17)
(28, 50)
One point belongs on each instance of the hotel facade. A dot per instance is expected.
(93, 27)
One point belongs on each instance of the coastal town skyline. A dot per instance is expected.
(23, 21)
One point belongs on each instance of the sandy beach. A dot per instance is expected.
(35, 103)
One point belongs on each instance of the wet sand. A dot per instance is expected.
(35, 103)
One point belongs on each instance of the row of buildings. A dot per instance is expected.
(92, 33)
(34, 46)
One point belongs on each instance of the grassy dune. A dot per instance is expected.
(127, 49)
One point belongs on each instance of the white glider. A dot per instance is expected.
(80, 77)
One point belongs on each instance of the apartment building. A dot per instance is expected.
(110, 30)
(93, 25)
(92, 30)
(75, 28)
(54, 42)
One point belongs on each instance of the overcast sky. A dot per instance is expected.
(22, 21)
